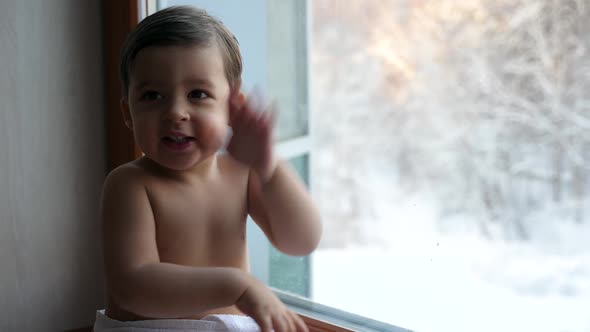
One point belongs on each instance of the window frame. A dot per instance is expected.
(119, 17)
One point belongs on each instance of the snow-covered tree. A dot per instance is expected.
(484, 102)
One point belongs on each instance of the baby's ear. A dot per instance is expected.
(126, 113)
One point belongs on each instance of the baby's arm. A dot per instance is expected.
(277, 200)
(284, 210)
(136, 278)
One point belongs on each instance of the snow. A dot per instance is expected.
(426, 280)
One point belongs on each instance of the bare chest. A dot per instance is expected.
(201, 225)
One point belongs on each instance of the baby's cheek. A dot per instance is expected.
(145, 140)
(213, 134)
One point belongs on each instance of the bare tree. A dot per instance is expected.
(485, 102)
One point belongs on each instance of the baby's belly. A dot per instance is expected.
(196, 254)
(218, 242)
(207, 253)
(114, 311)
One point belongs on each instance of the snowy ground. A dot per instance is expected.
(428, 282)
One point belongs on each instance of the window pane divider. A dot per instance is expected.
(293, 147)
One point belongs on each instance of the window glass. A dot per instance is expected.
(448, 155)
(287, 65)
(450, 162)
(287, 273)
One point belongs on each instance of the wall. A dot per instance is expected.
(52, 163)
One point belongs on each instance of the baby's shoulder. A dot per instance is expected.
(124, 191)
(128, 176)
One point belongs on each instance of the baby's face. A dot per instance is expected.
(178, 104)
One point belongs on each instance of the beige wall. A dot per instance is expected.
(52, 163)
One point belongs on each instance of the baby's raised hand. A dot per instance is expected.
(260, 303)
(252, 126)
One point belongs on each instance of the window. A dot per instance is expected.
(445, 144)
(451, 163)
(272, 58)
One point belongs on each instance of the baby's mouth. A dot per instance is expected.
(177, 139)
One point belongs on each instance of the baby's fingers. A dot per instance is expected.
(269, 115)
(264, 322)
(298, 322)
(290, 322)
(273, 112)
(279, 324)
(254, 102)
(242, 118)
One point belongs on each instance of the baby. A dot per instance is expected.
(174, 221)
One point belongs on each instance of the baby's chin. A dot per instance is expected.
(184, 163)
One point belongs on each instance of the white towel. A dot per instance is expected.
(211, 323)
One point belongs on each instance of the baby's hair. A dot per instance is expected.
(181, 25)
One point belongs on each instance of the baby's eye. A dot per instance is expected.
(151, 96)
(198, 94)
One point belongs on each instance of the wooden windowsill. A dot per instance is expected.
(316, 325)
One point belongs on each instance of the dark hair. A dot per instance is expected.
(181, 25)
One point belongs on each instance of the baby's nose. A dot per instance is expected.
(177, 112)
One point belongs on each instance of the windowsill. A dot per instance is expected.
(323, 318)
